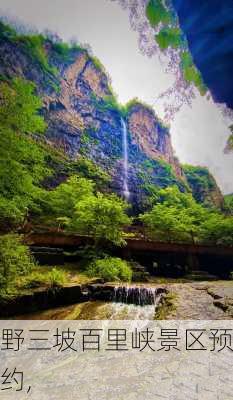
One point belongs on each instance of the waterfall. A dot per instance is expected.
(135, 302)
(125, 159)
(139, 296)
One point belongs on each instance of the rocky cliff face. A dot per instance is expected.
(83, 116)
(151, 136)
(203, 185)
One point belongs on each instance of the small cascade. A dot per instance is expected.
(139, 296)
(125, 159)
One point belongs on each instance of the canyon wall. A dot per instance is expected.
(85, 119)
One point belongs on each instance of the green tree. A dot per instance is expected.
(217, 229)
(20, 107)
(175, 217)
(171, 223)
(15, 260)
(22, 161)
(62, 200)
(102, 216)
(76, 205)
(173, 196)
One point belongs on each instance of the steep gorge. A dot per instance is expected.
(85, 119)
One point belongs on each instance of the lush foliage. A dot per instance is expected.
(79, 208)
(169, 37)
(175, 216)
(201, 182)
(22, 161)
(88, 169)
(66, 51)
(156, 174)
(191, 73)
(111, 103)
(178, 217)
(217, 229)
(110, 269)
(15, 260)
(83, 202)
(19, 107)
(62, 200)
(161, 15)
(102, 216)
(228, 204)
(57, 277)
(156, 13)
(42, 276)
(33, 44)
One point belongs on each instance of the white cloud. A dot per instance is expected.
(199, 135)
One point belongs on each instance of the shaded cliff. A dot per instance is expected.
(203, 185)
(84, 118)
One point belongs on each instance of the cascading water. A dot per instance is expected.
(125, 159)
(140, 296)
(105, 302)
(135, 302)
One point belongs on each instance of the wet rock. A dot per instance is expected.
(48, 255)
(43, 299)
(139, 273)
(78, 105)
(138, 295)
(221, 304)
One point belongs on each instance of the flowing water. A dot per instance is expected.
(125, 160)
(128, 303)
(137, 295)
(135, 303)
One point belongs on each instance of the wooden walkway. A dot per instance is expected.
(59, 239)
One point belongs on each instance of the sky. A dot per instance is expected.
(199, 133)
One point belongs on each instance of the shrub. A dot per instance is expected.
(110, 268)
(50, 279)
(66, 51)
(15, 259)
(57, 277)
(35, 47)
(34, 280)
(89, 170)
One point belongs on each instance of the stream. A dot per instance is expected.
(127, 303)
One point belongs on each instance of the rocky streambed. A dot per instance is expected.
(201, 300)
(190, 300)
(33, 304)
